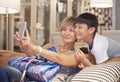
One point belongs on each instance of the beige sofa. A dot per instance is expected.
(6, 55)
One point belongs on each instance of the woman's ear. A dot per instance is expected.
(92, 30)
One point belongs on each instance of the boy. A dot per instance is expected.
(101, 47)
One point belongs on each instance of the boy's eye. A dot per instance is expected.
(79, 27)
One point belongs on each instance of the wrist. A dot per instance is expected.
(87, 62)
(37, 50)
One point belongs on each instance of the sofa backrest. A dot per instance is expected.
(113, 34)
(56, 38)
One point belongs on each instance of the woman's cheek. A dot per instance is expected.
(73, 36)
(62, 34)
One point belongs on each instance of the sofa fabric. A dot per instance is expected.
(6, 55)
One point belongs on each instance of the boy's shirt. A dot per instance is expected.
(104, 48)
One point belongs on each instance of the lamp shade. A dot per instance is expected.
(9, 6)
(101, 3)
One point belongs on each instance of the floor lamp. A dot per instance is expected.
(9, 7)
(101, 4)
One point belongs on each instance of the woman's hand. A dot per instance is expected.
(79, 55)
(25, 43)
(81, 65)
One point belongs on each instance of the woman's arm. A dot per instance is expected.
(66, 60)
(26, 43)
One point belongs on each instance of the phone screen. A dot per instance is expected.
(22, 29)
(84, 50)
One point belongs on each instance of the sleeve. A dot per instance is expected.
(100, 50)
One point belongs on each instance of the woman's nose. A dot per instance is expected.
(67, 32)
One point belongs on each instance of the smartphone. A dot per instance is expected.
(84, 50)
(22, 28)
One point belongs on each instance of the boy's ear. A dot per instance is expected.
(92, 29)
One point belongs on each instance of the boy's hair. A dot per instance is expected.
(68, 21)
(89, 19)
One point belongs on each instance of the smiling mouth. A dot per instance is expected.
(67, 38)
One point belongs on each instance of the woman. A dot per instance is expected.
(69, 38)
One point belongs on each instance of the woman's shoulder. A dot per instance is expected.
(48, 45)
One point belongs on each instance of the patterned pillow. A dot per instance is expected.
(109, 72)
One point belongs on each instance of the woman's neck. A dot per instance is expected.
(68, 46)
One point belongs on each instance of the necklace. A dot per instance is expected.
(63, 50)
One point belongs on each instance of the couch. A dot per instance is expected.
(6, 55)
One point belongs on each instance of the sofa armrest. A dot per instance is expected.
(5, 55)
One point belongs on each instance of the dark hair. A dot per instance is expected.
(89, 19)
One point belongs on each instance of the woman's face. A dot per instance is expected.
(68, 34)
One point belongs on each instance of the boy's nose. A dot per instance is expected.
(76, 29)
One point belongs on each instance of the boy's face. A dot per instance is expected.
(82, 31)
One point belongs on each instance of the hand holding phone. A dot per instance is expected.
(84, 50)
(22, 29)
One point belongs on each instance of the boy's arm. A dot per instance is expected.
(91, 57)
(116, 59)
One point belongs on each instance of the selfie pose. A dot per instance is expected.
(86, 26)
(8, 74)
(85, 29)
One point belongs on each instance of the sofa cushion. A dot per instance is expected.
(109, 72)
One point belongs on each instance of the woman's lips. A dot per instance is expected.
(67, 37)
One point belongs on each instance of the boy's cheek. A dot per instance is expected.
(79, 36)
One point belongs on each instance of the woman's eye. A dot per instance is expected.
(71, 30)
(63, 30)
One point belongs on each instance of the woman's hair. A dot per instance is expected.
(68, 21)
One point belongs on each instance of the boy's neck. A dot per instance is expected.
(89, 39)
